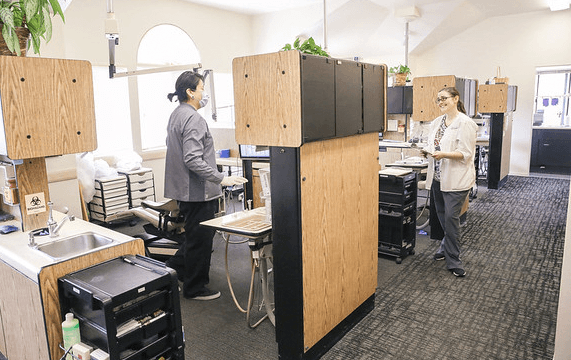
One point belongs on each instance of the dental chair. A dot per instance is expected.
(164, 232)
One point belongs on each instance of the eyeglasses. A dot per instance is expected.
(442, 99)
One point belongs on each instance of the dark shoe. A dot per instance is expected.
(205, 294)
(458, 272)
(439, 257)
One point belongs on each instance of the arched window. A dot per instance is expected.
(163, 45)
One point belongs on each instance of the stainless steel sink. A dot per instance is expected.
(74, 245)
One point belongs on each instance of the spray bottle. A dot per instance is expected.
(70, 329)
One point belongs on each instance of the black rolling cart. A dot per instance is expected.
(128, 307)
(397, 212)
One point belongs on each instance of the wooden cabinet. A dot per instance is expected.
(288, 98)
(425, 92)
(497, 98)
(321, 119)
(47, 107)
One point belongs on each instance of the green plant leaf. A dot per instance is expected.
(307, 47)
(31, 7)
(36, 41)
(7, 17)
(11, 39)
(46, 23)
(57, 9)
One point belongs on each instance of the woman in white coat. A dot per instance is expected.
(451, 172)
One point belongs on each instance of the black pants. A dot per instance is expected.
(192, 260)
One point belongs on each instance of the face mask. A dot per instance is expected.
(204, 100)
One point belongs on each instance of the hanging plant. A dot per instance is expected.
(33, 15)
(307, 47)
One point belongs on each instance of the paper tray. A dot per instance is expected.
(246, 223)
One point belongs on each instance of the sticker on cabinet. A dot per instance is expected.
(35, 203)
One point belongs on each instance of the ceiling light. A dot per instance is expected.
(556, 5)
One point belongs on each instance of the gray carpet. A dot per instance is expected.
(506, 307)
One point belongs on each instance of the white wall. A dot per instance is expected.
(219, 35)
(516, 43)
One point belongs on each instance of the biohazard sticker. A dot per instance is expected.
(35, 203)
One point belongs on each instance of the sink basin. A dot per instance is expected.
(74, 245)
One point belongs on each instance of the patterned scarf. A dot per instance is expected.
(437, 139)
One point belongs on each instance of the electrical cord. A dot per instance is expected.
(67, 352)
(255, 264)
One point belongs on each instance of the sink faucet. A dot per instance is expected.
(32, 240)
(53, 226)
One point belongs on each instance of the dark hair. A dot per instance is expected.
(186, 80)
(452, 91)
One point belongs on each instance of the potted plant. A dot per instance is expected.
(307, 47)
(24, 18)
(401, 74)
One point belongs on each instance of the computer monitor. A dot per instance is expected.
(254, 152)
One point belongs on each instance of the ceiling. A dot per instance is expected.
(371, 28)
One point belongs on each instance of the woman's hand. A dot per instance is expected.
(454, 155)
(233, 180)
(439, 155)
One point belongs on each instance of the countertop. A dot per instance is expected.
(14, 249)
(551, 128)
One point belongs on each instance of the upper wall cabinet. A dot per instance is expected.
(288, 98)
(46, 107)
(497, 98)
(425, 92)
(399, 100)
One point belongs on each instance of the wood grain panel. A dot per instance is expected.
(424, 92)
(339, 205)
(47, 106)
(49, 288)
(33, 179)
(506, 145)
(256, 189)
(493, 98)
(22, 320)
(267, 97)
(2, 340)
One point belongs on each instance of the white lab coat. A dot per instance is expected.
(455, 175)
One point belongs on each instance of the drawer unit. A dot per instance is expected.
(111, 196)
(397, 231)
(128, 307)
(141, 185)
(397, 214)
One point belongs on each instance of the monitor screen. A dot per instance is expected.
(254, 152)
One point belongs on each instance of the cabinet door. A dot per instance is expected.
(374, 110)
(555, 148)
(348, 98)
(317, 98)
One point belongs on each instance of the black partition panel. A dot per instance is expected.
(317, 98)
(348, 98)
(373, 98)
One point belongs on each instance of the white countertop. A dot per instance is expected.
(551, 128)
(14, 249)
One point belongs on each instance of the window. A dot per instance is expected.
(112, 113)
(163, 45)
(553, 86)
(224, 88)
